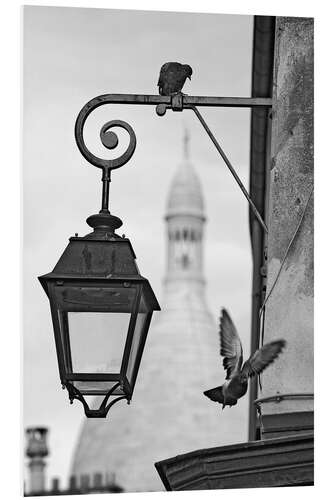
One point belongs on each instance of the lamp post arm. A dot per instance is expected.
(176, 102)
(153, 100)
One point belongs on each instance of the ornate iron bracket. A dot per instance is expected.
(102, 411)
(177, 102)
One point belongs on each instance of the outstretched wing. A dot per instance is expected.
(262, 358)
(215, 394)
(231, 346)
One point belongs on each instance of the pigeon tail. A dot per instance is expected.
(215, 394)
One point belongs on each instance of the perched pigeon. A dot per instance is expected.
(172, 77)
(238, 373)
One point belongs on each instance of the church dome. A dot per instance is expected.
(185, 194)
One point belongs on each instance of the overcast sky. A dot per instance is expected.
(70, 56)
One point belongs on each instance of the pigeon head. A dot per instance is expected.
(188, 71)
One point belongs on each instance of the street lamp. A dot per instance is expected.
(101, 306)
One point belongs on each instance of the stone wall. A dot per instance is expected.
(289, 310)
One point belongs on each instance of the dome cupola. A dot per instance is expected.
(185, 194)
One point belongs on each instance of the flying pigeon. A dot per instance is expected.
(172, 77)
(238, 373)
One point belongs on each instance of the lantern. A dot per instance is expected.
(101, 309)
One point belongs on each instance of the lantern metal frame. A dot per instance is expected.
(121, 385)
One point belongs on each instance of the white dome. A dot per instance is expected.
(185, 195)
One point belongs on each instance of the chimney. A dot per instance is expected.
(98, 481)
(55, 486)
(73, 484)
(36, 450)
(84, 482)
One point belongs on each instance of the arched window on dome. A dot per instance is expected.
(185, 234)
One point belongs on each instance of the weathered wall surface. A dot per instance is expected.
(289, 310)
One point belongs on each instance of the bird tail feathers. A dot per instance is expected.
(215, 394)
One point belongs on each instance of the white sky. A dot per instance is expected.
(70, 56)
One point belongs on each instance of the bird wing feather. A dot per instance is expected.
(262, 358)
(231, 346)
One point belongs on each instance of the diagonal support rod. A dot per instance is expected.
(230, 167)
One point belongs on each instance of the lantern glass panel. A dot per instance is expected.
(94, 323)
(94, 388)
(97, 341)
(139, 336)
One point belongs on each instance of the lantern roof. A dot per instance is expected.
(100, 255)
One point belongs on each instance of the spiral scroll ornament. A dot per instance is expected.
(104, 223)
(109, 140)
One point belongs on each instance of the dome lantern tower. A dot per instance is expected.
(185, 220)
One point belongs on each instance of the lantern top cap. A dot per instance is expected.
(104, 225)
